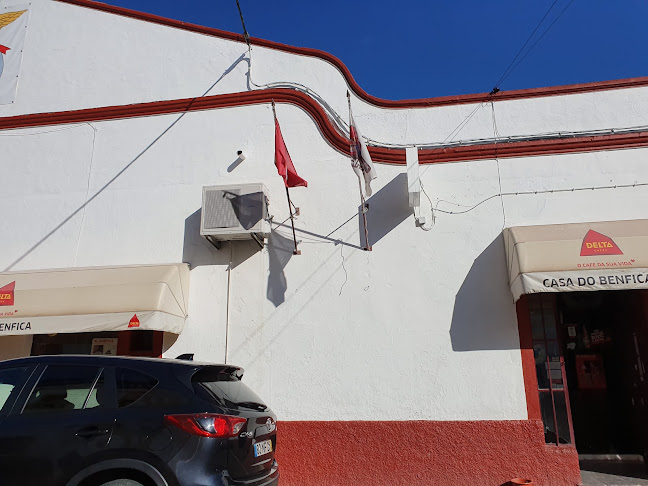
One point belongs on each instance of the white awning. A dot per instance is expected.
(577, 257)
(153, 297)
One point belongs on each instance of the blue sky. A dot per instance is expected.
(417, 49)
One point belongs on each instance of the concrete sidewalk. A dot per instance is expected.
(614, 473)
(591, 478)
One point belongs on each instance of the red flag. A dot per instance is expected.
(283, 162)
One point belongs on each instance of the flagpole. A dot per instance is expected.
(364, 210)
(292, 221)
(362, 199)
(290, 204)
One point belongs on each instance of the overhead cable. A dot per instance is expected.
(512, 66)
(539, 38)
(543, 191)
(246, 36)
(499, 81)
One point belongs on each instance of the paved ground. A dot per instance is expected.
(595, 473)
(591, 478)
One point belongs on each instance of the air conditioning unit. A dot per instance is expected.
(235, 212)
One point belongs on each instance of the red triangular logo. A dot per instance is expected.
(7, 294)
(597, 244)
(134, 322)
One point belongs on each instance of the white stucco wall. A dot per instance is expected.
(422, 327)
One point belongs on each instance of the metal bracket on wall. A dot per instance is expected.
(258, 239)
(216, 243)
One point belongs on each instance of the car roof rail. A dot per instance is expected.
(186, 356)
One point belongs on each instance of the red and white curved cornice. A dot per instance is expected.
(331, 134)
(337, 140)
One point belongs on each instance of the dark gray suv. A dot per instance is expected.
(118, 421)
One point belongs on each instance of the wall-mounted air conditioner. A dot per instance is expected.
(235, 212)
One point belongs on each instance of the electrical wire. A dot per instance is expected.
(346, 274)
(448, 141)
(341, 125)
(85, 201)
(433, 217)
(497, 84)
(246, 36)
(496, 134)
(60, 129)
(538, 40)
(543, 191)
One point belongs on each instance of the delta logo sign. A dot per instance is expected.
(595, 244)
(134, 322)
(7, 294)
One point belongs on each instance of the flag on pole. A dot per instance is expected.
(287, 172)
(361, 160)
(284, 163)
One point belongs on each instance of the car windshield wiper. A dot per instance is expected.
(253, 405)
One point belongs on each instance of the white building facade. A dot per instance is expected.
(409, 364)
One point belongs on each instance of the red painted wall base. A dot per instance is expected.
(421, 453)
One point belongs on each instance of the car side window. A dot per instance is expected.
(132, 385)
(10, 378)
(65, 387)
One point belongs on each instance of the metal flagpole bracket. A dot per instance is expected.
(296, 213)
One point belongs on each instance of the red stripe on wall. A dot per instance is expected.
(338, 141)
(303, 51)
(412, 453)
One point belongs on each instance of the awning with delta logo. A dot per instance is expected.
(152, 297)
(577, 257)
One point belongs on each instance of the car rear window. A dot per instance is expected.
(227, 390)
(132, 385)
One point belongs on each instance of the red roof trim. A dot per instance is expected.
(338, 141)
(420, 103)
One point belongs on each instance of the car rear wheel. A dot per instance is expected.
(122, 482)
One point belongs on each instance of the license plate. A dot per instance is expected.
(263, 447)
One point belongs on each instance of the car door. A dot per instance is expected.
(58, 426)
(12, 381)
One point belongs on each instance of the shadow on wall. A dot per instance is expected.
(484, 312)
(388, 208)
(197, 251)
(280, 251)
(241, 58)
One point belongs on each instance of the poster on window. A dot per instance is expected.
(590, 372)
(13, 29)
(104, 346)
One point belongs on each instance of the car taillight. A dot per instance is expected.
(207, 424)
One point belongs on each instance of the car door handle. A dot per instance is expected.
(92, 432)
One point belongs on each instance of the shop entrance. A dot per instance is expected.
(118, 343)
(590, 351)
(605, 345)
